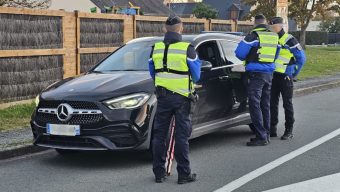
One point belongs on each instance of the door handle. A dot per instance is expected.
(197, 86)
(223, 77)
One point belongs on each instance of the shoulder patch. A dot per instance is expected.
(292, 41)
(299, 47)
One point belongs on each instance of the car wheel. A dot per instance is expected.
(65, 152)
(252, 128)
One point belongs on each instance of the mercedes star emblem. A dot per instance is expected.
(64, 112)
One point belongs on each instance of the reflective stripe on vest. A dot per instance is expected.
(268, 46)
(176, 62)
(285, 55)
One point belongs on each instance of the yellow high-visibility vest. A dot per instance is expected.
(174, 74)
(285, 55)
(268, 45)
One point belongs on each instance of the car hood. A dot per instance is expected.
(100, 86)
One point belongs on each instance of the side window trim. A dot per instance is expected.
(222, 54)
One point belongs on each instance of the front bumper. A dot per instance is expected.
(111, 130)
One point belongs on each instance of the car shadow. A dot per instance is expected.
(235, 136)
(120, 160)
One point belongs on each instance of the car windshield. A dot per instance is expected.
(131, 57)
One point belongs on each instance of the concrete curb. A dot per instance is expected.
(29, 149)
(20, 151)
(317, 88)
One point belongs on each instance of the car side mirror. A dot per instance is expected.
(206, 66)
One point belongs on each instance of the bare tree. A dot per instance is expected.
(265, 7)
(3, 2)
(32, 4)
(302, 11)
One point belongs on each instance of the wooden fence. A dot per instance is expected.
(38, 47)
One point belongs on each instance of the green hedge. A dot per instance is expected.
(312, 37)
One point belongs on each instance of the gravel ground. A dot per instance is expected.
(11, 139)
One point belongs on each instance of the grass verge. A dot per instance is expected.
(321, 61)
(17, 116)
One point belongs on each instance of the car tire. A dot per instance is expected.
(252, 128)
(65, 152)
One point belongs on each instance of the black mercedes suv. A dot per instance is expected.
(112, 106)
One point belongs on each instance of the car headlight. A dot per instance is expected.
(128, 102)
(37, 100)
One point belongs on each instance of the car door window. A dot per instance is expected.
(209, 51)
(229, 48)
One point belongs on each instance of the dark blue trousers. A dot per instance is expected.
(284, 86)
(259, 102)
(167, 107)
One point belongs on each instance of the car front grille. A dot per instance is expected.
(83, 119)
(73, 104)
(91, 120)
(84, 113)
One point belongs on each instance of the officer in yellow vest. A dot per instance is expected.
(288, 65)
(174, 66)
(259, 50)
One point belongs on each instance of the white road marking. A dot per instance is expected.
(262, 170)
(328, 183)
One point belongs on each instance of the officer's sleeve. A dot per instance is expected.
(244, 47)
(194, 64)
(299, 55)
(151, 65)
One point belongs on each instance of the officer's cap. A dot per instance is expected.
(260, 17)
(173, 20)
(276, 20)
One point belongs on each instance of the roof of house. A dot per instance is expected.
(223, 6)
(148, 7)
(183, 8)
(102, 3)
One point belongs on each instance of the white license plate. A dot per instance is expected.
(63, 130)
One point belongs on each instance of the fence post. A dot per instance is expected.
(69, 44)
(128, 33)
(233, 25)
(207, 25)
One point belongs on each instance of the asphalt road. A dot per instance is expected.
(218, 158)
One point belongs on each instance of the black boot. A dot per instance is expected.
(288, 134)
(160, 179)
(254, 139)
(258, 142)
(187, 179)
(273, 131)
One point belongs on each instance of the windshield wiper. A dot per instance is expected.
(126, 70)
(95, 72)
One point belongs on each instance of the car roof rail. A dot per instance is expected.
(225, 32)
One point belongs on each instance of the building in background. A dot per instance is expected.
(147, 7)
(166, 2)
(71, 5)
(226, 8)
